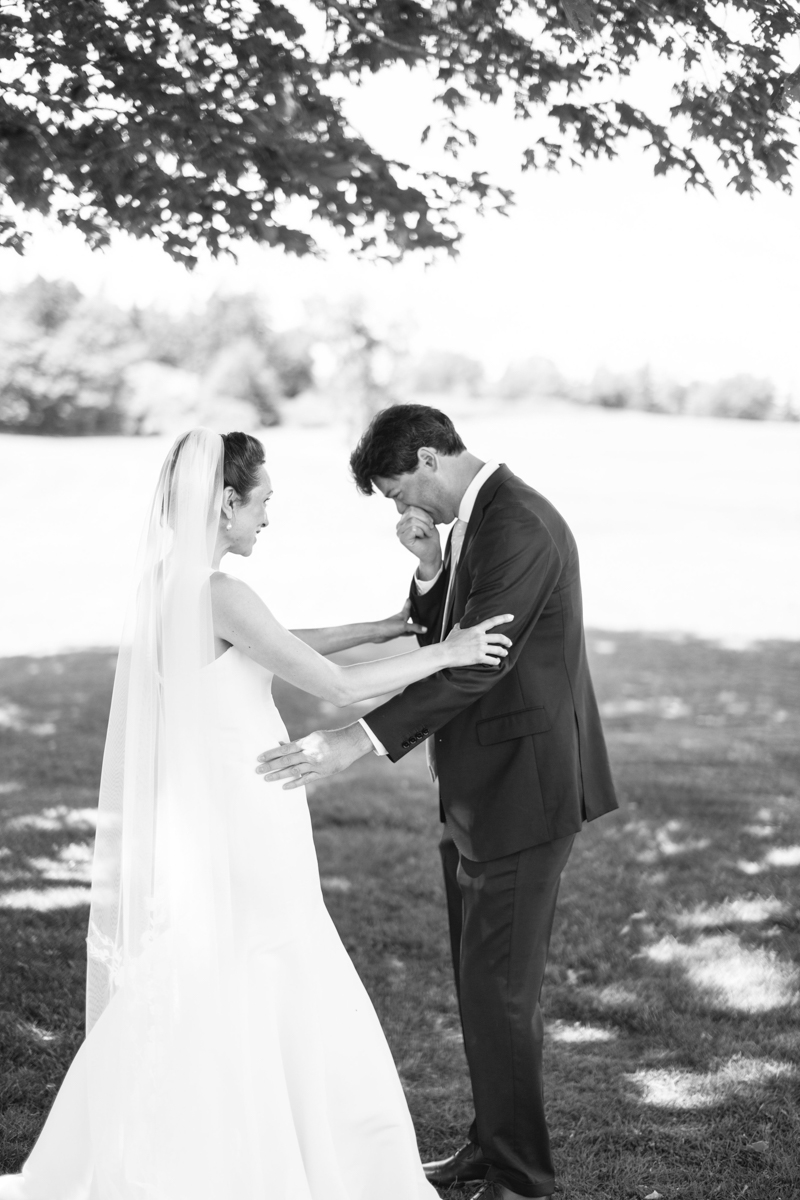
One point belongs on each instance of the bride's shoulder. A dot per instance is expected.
(222, 584)
(228, 590)
(238, 612)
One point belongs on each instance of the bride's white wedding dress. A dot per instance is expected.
(313, 1108)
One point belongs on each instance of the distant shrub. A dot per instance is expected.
(44, 304)
(290, 357)
(240, 370)
(741, 396)
(66, 363)
(444, 372)
(640, 389)
(531, 377)
(62, 362)
(45, 390)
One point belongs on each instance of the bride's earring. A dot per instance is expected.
(228, 525)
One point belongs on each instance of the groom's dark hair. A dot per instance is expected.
(389, 445)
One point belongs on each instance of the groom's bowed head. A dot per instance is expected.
(413, 455)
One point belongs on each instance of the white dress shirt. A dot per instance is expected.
(464, 513)
(424, 585)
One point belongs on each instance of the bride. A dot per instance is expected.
(232, 1052)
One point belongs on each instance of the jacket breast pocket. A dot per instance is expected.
(512, 725)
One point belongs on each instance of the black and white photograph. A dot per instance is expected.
(400, 614)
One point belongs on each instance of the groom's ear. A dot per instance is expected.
(428, 457)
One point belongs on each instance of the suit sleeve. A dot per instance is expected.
(516, 568)
(426, 609)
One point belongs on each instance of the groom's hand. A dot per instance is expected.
(324, 752)
(418, 533)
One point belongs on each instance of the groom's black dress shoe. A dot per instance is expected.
(467, 1165)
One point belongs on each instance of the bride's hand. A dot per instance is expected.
(477, 646)
(400, 625)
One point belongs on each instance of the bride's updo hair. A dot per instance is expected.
(243, 456)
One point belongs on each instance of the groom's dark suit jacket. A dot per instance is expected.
(519, 748)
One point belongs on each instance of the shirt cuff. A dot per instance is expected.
(377, 745)
(425, 585)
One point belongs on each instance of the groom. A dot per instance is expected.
(519, 753)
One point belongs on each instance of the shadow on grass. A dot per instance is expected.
(673, 1054)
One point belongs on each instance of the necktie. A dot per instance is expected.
(456, 542)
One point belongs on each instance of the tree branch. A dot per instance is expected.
(357, 27)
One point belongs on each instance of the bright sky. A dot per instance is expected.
(607, 266)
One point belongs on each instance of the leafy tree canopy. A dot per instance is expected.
(194, 121)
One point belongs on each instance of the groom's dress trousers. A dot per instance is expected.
(521, 763)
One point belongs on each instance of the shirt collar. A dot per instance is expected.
(471, 494)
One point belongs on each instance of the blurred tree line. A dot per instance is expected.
(748, 397)
(72, 365)
(741, 396)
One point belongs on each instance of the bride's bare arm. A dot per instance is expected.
(242, 618)
(344, 637)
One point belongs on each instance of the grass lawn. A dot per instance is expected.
(673, 1046)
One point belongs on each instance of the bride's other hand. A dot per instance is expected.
(478, 646)
(400, 625)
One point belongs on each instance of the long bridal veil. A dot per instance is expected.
(150, 765)
(152, 779)
(160, 967)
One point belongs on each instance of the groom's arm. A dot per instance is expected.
(516, 571)
(427, 601)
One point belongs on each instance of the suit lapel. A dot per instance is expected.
(482, 502)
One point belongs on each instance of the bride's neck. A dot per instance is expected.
(219, 551)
